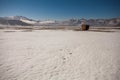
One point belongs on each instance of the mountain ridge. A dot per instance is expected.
(21, 20)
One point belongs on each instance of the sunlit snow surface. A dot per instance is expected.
(59, 55)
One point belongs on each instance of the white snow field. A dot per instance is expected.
(59, 55)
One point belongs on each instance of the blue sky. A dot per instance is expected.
(60, 9)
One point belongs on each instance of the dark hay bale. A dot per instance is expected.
(84, 27)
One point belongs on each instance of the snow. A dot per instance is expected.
(28, 21)
(59, 55)
(11, 17)
(33, 22)
(47, 22)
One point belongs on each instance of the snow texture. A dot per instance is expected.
(59, 55)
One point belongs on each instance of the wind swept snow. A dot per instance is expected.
(59, 55)
(28, 21)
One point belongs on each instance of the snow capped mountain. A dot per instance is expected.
(21, 20)
(25, 20)
(94, 22)
(16, 18)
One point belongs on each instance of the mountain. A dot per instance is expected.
(93, 22)
(21, 20)
(17, 18)
(24, 21)
(14, 20)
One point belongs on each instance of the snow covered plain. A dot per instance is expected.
(59, 55)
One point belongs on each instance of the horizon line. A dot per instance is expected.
(61, 18)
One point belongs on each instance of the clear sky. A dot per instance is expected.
(60, 9)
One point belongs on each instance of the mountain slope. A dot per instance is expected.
(13, 22)
(6, 21)
(20, 20)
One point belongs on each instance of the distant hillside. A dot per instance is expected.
(20, 20)
(13, 22)
(93, 22)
